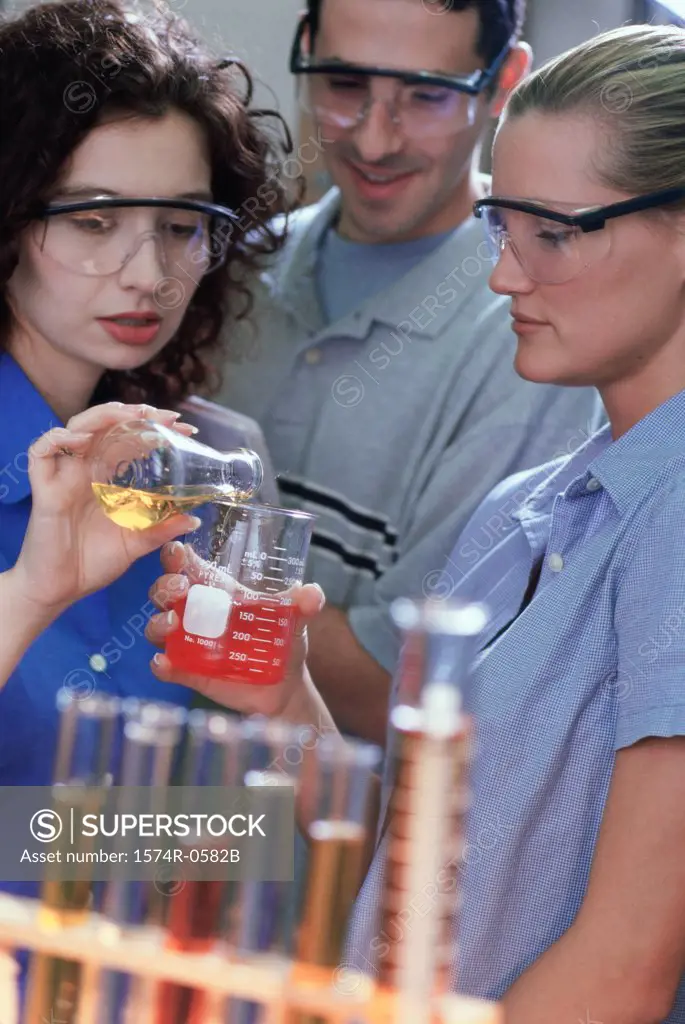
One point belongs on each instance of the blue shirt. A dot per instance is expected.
(348, 273)
(109, 623)
(595, 663)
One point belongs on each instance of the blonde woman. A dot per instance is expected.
(573, 872)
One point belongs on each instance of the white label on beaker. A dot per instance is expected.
(207, 611)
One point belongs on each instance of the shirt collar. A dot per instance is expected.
(24, 417)
(628, 469)
(561, 474)
(459, 265)
(635, 464)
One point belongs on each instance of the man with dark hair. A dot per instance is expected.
(381, 366)
(500, 21)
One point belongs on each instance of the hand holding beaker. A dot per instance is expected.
(186, 569)
(70, 549)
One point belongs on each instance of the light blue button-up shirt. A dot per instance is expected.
(595, 663)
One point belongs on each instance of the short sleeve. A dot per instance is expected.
(650, 627)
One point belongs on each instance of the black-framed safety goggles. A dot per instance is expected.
(340, 94)
(99, 235)
(554, 245)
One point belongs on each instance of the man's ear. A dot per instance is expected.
(516, 67)
(307, 36)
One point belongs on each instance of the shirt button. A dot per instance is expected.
(313, 356)
(555, 562)
(593, 484)
(97, 662)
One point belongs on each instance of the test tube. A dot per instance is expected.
(267, 912)
(151, 736)
(439, 643)
(196, 920)
(83, 769)
(338, 838)
(427, 807)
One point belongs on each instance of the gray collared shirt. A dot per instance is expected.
(393, 423)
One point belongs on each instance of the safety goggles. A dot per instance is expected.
(340, 95)
(556, 244)
(98, 236)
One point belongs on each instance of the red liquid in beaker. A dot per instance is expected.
(248, 641)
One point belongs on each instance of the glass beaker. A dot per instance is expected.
(144, 473)
(237, 620)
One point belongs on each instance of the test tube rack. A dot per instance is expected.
(282, 987)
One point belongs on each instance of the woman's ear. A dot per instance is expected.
(516, 67)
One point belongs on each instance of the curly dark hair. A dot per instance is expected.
(67, 66)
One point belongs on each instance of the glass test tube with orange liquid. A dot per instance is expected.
(237, 620)
(337, 795)
(83, 772)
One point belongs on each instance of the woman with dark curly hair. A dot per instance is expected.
(127, 151)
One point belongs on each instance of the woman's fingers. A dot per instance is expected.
(309, 599)
(185, 428)
(60, 441)
(160, 626)
(45, 452)
(168, 589)
(100, 417)
(242, 697)
(74, 439)
(177, 557)
(144, 542)
(163, 669)
(173, 557)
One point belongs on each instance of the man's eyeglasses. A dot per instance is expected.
(556, 244)
(340, 94)
(98, 236)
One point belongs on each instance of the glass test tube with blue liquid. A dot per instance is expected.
(266, 917)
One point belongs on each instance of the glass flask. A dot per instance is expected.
(144, 473)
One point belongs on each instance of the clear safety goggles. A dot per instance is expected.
(556, 244)
(96, 237)
(340, 95)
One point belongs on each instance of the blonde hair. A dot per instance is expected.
(632, 80)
